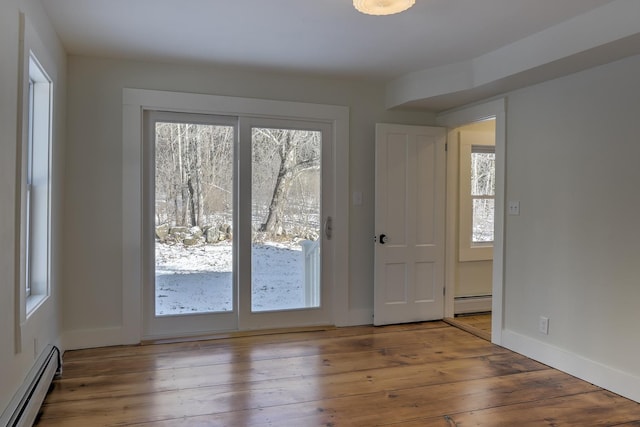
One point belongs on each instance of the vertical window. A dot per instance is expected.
(477, 195)
(36, 189)
(483, 190)
(28, 186)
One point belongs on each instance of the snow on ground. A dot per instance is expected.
(198, 279)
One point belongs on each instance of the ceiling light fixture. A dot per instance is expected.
(382, 7)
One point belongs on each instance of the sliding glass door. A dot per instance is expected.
(285, 184)
(234, 211)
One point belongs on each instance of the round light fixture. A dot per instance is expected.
(382, 7)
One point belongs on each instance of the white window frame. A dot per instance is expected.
(469, 250)
(36, 188)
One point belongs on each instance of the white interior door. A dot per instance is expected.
(409, 223)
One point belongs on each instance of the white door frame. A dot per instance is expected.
(455, 119)
(136, 101)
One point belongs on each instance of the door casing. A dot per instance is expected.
(134, 102)
(453, 120)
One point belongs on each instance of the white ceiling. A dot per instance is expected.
(318, 37)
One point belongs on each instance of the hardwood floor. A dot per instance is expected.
(427, 374)
(476, 324)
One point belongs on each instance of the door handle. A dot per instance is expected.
(328, 227)
(383, 239)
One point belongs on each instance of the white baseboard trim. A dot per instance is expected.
(92, 338)
(604, 376)
(105, 337)
(465, 305)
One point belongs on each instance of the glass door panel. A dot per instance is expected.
(190, 188)
(285, 219)
(193, 217)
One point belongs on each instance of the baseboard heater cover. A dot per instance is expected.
(24, 408)
(472, 304)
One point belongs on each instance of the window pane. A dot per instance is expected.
(193, 218)
(483, 211)
(37, 215)
(483, 166)
(285, 250)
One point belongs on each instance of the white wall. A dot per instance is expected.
(93, 271)
(573, 152)
(473, 278)
(43, 328)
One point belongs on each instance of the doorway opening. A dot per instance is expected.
(471, 207)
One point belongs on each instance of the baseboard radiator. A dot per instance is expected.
(473, 304)
(24, 408)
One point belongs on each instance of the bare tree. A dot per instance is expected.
(193, 173)
(288, 153)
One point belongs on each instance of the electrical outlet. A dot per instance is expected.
(543, 325)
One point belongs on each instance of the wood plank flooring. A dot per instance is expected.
(426, 374)
(476, 324)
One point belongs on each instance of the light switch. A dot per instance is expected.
(514, 208)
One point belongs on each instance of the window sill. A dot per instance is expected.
(34, 302)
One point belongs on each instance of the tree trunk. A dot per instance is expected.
(182, 158)
(198, 175)
(290, 167)
(273, 224)
(192, 203)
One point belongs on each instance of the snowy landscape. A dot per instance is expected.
(198, 279)
(194, 218)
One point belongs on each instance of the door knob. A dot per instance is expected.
(383, 239)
